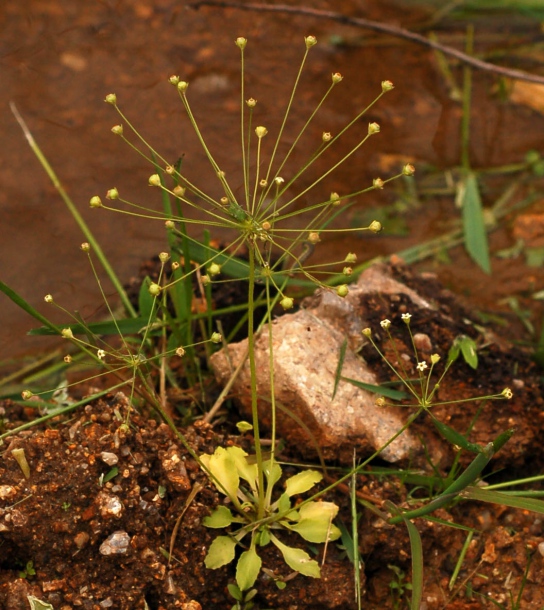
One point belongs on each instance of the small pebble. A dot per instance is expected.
(116, 544)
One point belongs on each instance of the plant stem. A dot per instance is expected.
(253, 377)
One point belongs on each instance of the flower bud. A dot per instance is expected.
(351, 258)
(170, 169)
(287, 303)
(67, 333)
(216, 338)
(154, 180)
(112, 194)
(241, 42)
(377, 183)
(373, 128)
(95, 202)
(375, 226)
(180, 352)
(251, 103)
(67, 359)
(342, 290)
(174, 80)
(48, 298)
(380, 401)
(27, 394)
(175, 266)
(154, 289)
(408, 170)
(182, 86)
(435, 358)
(117, 130)
(347, 271)
(224, 200)
(170, 224)
(266, 226)
(367, 332)
(263, 183)
(337, 77)
(387, 85)
(179, 191)
(85, 246)
(261, 131)
(205, 279)
(214, 269)
(326, 136)
(111, 98)
(221, 174)
(313, 237)
(164, 257)
(335, 199)
(310, 41)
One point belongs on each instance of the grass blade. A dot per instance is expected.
(338, 374)
(25, 306)
(473, 223)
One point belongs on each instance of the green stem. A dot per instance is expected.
(75, 213)
(253, 378)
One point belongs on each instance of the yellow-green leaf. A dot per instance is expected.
(301, 482)
(222, 466)
(220, 553)
(248, 568)
(297, 559)
(315, 522)
(247, 471)
(221, 517)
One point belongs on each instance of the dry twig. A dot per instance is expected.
(377, 26)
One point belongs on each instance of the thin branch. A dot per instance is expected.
(378, 27)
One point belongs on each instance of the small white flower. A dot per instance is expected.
(406, 317)
(421, 366)
(507, 393)
(385, 324)
(100, 354)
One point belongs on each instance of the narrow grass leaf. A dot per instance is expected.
(25, 306)
(377, 389)
(417, 564)
(473, 223)
(497, 497)
(454, 437)
(145, 300)
(338, 374)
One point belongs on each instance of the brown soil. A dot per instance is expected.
(60, 58)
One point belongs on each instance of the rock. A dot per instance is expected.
(109, 458)
(116, 544)
(307, 348)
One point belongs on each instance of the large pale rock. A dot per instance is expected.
(306, 351)
(307, 346)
